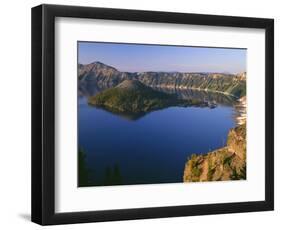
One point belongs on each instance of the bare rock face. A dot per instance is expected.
(105, 77)
(242, 76)
(227, 163)
(236, 141)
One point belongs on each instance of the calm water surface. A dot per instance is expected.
(152, 148)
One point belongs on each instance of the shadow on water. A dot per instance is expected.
(112, 176)
(219, 98)
(125, 115)
(110, 173)
(87, 90)
(84, 173)
(214, 98)
(90, 89)
(86, 177)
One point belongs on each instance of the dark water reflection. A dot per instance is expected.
(150, 148)
(202, 95)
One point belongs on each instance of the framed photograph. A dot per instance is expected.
(141, 114)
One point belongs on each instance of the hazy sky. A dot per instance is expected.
(138, 58)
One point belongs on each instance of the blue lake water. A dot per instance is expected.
(153, 148)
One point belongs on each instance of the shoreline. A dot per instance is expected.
(191, 88)
(241, 111)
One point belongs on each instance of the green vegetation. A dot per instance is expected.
(196, 171)
(223, 84)
(83, 171)
(227, 160)
(131, 96)
(239, 175)
(211, 172)
(238, 90)
(112, 176)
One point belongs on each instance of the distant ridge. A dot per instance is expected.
(101, 65)
(105, 76)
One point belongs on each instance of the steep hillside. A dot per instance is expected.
(102, 75)
(227, 163)
(105, 76)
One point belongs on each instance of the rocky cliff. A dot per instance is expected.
(227, 163)
(105, 76)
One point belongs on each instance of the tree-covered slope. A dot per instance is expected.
(131, 96)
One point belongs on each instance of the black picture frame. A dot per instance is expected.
(43, 114)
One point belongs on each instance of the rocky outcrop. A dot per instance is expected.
(105, 76)
(242, 76)
(241, 110)
(227, 163)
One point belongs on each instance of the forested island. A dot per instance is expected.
(142, 92)
(132, 96)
